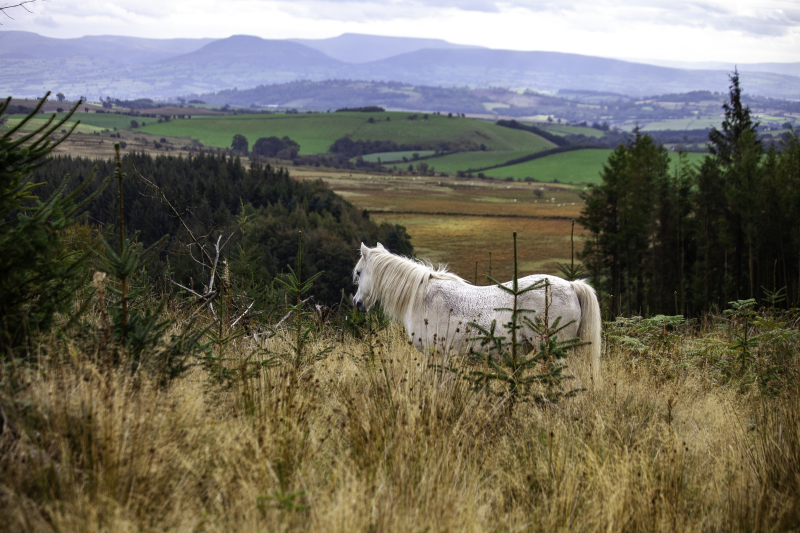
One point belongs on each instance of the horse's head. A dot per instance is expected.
(362, 275)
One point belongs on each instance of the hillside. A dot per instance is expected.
(114, 49)
(127, 67)
(553, 71)
(361, 48)
(316, 132)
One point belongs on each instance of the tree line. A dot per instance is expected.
(690, 240)
(216, 193)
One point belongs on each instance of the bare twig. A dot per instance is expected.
(290, 312)
(207, 302)
(180, 218)
(185, 288)
(242, 316)
(21, 4)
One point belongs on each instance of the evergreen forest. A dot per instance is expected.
(689, 241)
(262, 207)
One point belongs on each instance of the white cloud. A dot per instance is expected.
(703, 30)
(46, 21)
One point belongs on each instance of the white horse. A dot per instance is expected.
(437, 307)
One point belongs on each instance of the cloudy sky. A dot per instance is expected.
(741, 31)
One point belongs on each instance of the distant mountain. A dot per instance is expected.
(239, 61)
(788, 69)
(256, 52)
(360, 48)
(127, 67)
(112, 48)
(550, 71)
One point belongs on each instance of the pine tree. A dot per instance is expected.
(38, 274)
(738, 152)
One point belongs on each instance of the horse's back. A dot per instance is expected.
(469, 303)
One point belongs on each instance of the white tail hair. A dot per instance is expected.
(590, 326)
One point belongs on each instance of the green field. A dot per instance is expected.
(107, 121)
(571, 130)
(580, 166)
(316, 132)
(90, 122)
(475, 160)
(679, 124)
(395, 157)
(36, 123)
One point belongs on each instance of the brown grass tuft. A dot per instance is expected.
(393, 445)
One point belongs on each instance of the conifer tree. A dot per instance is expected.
(38, 274)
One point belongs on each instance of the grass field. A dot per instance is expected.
(378, 437)
(90, 122)
(467, 160)
(394, 157)
(460, 241)
(316, 132)
(36, 123)
(558, 129)
(580, 166)
(698, 123)
(458, 221)
(107, 120)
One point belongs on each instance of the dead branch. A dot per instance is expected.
(21, 4)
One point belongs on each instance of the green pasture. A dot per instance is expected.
(37, 122)
(771, 119)
(580, 166)
(90, 122)
(436, 128)
(396, 157)
(558, 129)
(691, 123)
(106, 121)
(474, 160)
(317, 131)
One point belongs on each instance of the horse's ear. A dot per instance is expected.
(380, 247)
(364, 250)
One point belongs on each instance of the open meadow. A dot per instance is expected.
(316, 132)
(376, 436)
(578, 166)
(459, 221)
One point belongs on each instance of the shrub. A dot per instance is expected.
(239, 143)
(284, 148)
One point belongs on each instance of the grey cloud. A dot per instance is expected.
(764, 22)
(761, 21)
(46, 21)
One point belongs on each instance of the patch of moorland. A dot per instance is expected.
(459, 221)
(376, 435)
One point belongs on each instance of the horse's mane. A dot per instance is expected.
(400, 283)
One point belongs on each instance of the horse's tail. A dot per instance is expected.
(590, 324)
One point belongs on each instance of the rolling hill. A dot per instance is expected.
(316, 132)
(114, 49)
(127, 68)
(553, 70)
(360, 48)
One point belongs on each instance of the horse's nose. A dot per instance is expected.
(359, 305)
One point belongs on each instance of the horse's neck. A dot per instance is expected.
(402, 287)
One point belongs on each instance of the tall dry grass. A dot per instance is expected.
(354, 443)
